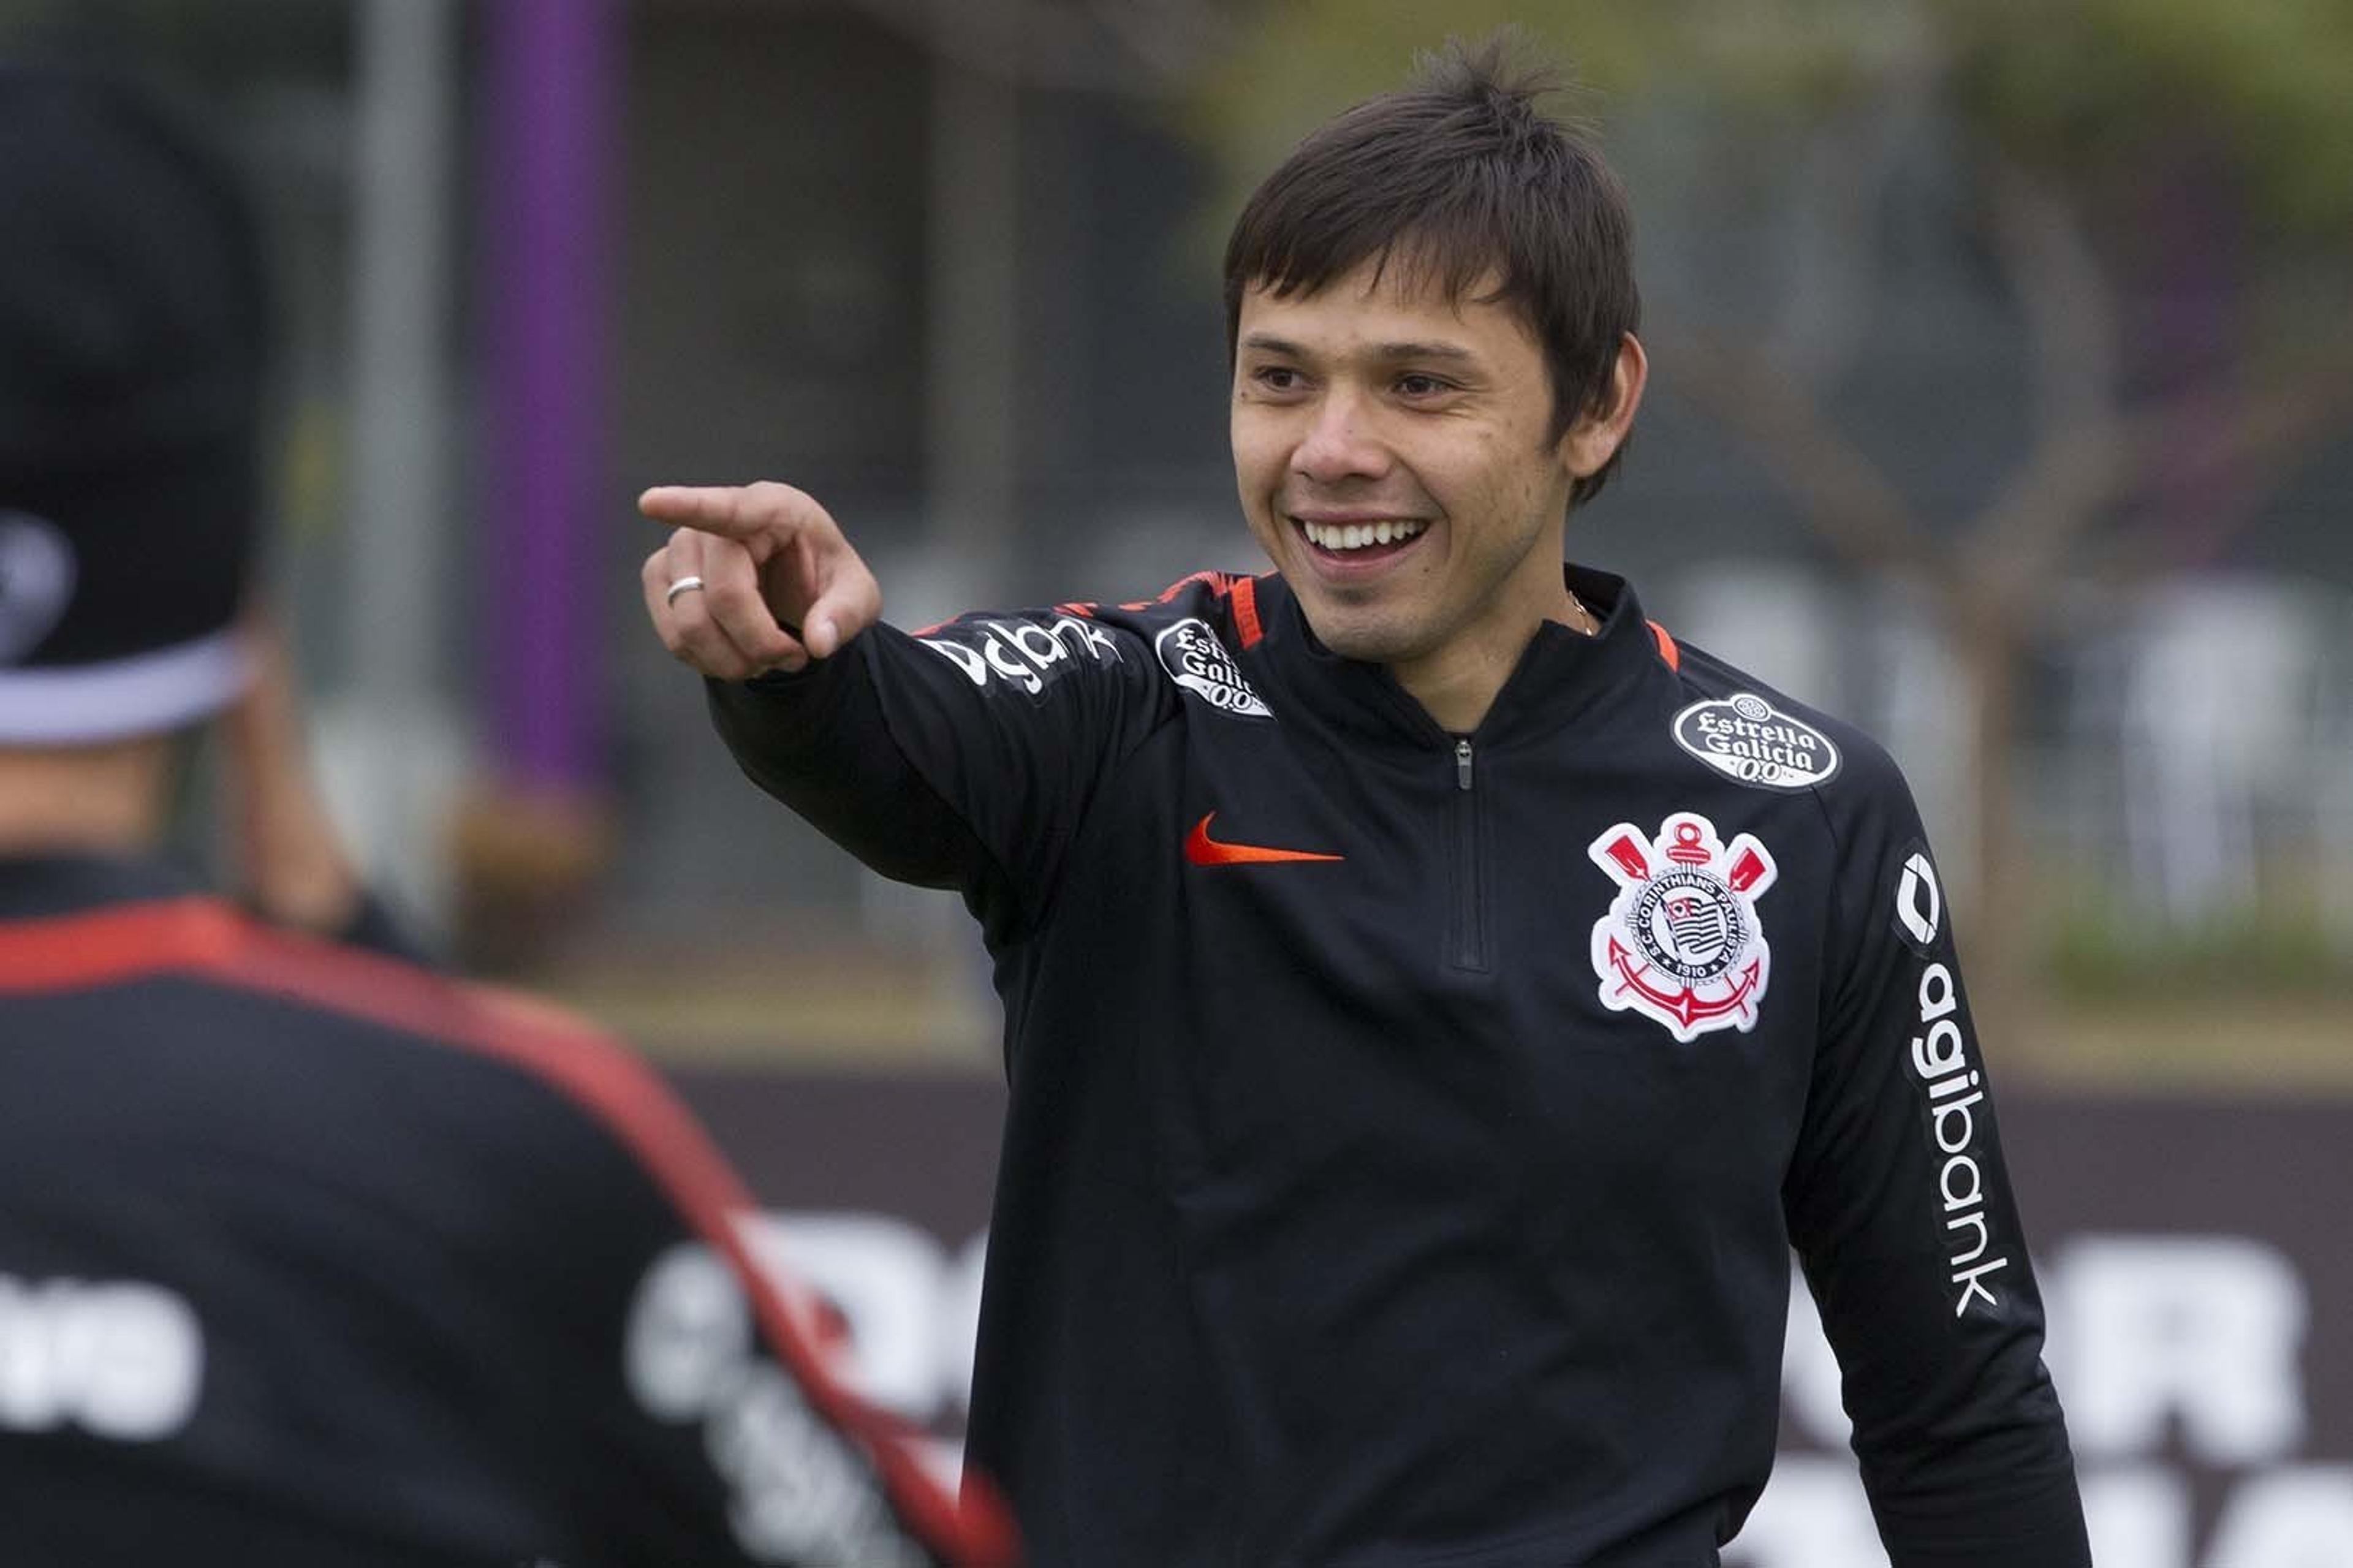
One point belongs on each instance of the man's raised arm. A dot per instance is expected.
(965, 756)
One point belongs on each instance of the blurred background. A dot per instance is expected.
(2002, 402)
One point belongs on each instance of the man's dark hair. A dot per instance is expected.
(1459, 175)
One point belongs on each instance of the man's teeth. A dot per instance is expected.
(1356, 535)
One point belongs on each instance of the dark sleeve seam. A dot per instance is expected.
(1111, 771)
(996, 867)
(1834, 922)
(1035, 919)
(1034, 912)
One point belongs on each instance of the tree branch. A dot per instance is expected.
(1842, 492)
(2251, 445)
(2271, 430)
(2079, 467)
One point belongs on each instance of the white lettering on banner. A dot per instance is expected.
(911, 1309)
(959, 1320)
(2151, 1337)
(2300, 1517)
(796, 1492)
(2140, 1515)
(1025, 654)
(124, 1361)
(2150, 1334)
(2204, 1330)
(1813, 1515)
(886, 1278)
(1809, 1374)
(798, 1497)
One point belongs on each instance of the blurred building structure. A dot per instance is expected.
(951, 268)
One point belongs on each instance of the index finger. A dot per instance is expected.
(732, 512)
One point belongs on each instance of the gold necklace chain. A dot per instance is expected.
(1587, 621)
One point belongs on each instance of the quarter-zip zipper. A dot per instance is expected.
(1466, 945)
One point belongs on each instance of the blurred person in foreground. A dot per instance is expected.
(1437, 999)
(308, 1255)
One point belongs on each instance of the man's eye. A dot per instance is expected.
(1277, 378)
(1417, 385)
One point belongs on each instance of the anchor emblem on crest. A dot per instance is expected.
(1682, 942)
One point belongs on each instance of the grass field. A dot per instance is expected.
(839, 1004)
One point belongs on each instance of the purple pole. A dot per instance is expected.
(550, 77)
(2196, 337)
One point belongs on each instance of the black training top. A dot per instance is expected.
(307, 1257)
(1408, 1130)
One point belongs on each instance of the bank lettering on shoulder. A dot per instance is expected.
(1952, 1085)
(1022, 653)
(1748, 740)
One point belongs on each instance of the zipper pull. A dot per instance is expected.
(1462, 765)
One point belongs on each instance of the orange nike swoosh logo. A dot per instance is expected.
(1203, 851)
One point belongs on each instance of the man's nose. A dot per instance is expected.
(1340, 443)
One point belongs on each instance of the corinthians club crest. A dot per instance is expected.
(1682, 942)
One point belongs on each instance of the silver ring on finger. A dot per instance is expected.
(683, 586)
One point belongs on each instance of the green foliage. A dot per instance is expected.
(1303, 62)
(2084, 89)
(2091, 87)
(2261, 953)
(2103, 943)
(18, 16)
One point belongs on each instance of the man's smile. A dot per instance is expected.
(1350, 541)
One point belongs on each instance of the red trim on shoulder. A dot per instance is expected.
(67, 951)
(1245, 602)
(1667, 648)
(208, 937)
(1218, 582)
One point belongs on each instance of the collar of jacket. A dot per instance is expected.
(1563, 676)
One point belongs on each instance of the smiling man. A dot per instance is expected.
(1436, 1001)
(1396, 450)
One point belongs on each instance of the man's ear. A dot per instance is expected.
(1597, 432)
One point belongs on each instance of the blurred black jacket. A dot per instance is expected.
(308, 1257)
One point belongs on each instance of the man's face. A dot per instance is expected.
(1392, 454)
